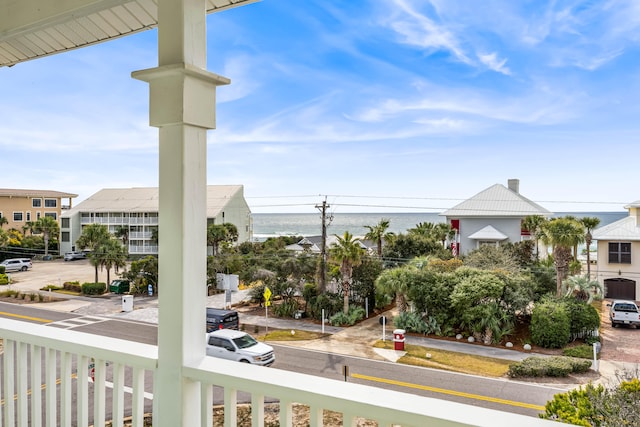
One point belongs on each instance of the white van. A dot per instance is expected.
(239, 346)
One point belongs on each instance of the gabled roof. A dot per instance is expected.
(488, 233)
(496, 201)
(12, 192)
(623, 229)
(145, 199)
(31, 29)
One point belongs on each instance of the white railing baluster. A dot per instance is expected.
(118, 395)
(9, 384)
(206, 417)
(286, 413)
(36, 386)
(82, 398)
(50, 387)
(230, 407)
(316, 416)
(22, 369)
(99, 393)
(257, 410)
(65, 389)
(137, 398)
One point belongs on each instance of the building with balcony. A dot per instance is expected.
(23, 207)
(132, 213)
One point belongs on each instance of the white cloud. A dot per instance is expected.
(493, 63)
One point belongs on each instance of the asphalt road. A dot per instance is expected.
(501, 394)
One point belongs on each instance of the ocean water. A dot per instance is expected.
(310, 224)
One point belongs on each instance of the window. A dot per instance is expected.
(36, 203)
(66, 236)
(619, 252)
(65, 222)
(17, 216)
(28, 216)
(53, 215)
(50, 203)
(38, 215)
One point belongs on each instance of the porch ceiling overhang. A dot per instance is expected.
(488, 233)
(30, 29)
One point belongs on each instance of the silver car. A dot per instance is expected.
(16, 264)
(239, 346)
(70, 256)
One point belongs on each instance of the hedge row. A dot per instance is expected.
(556, 366)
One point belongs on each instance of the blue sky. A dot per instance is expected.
(382, 106)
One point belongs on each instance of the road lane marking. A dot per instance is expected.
(449, 392)
(20, 316)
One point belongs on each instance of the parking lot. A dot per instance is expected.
(56, 272)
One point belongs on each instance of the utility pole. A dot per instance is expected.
(323, 247)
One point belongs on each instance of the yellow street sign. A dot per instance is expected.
(267, 296)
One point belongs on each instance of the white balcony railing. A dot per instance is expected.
(41, 357)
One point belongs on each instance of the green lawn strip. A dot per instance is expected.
(450, 360)
(287, 335)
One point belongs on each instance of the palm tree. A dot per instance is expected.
(4, 238)
(3, 221)
(112, 254)
(443, 231)
(215, 235)
(122, 232)
(423, 229)
(533, 224)
(49, 228)
(377, 233)
(583, 288)
(93, 235)
(562, 234)
(348, 253)
(395, 281)
(589, 223)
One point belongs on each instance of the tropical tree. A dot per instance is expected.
(221, 233)
(112, 254)
(442, 232)
(423, 229)
(395, 281)
(562, 234)
(4, 238)
(589, 223)
(377, 233)
(3, 221)
(93, 235)
(49, 228)
(533, 224)
(348, 253)
(122, 232)
(582, 288)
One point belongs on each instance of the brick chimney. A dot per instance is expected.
(514, 185)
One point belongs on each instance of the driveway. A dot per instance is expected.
(621, 344)
(56, 272)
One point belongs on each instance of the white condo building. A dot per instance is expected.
(136, 209)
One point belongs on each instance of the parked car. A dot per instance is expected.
(221, 319)
(239, 346)
(622, 312)
(16, 264)
(70, 256)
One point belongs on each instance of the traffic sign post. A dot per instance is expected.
(267, 303)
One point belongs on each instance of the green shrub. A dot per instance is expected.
(72, 287)
(331, 303)
(557, 366)
(50, 287)
(583, 351)
(286, 308)
(341, 319)
(9, 293)
(90, 288)
(413, 322)
(584, 318)
(2, 269)
(4, 279)
(550, 325)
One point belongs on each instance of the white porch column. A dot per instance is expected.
(182, 106)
